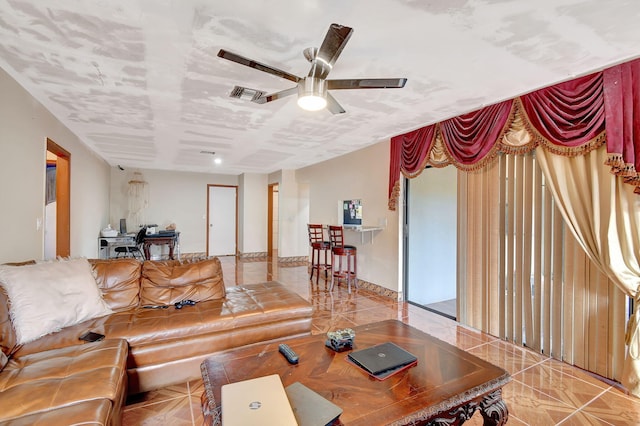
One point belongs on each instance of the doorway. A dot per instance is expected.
(430, 240)
(222, 219)
(272, 221)
(57, 221)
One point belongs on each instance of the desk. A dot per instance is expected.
(364, 230)
(170, 240)
(106, 244)
(446, 387)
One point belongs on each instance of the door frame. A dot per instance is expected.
(209, 186)
(406, 251)
(63, 198)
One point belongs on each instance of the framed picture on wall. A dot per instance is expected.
(352, 212)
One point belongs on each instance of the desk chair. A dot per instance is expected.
(318, 245)
(135, 250)
(340, 251)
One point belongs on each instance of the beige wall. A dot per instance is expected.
(363, 174)
(252, 213)
(174, 197)
(25, 126)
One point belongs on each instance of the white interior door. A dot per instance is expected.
(222, 220)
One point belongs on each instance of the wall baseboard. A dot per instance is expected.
(253, 256)
(262, 256)
(378, 289)
(294, 259)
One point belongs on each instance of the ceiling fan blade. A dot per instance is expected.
(335, 40)
(333, 105)
(277, 95)
(367, 83)
(225, 54)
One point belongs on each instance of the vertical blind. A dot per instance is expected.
(524, 278)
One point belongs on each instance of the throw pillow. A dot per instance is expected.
(48, 296)
(4, 360)
(8, 339)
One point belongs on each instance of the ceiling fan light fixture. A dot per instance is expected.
(312, 94)
(312, 102)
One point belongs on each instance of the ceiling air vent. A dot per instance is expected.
(245, 93)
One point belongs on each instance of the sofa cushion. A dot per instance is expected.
(97, 412)
(48, 296)
(165, 283)
(119, 281)
(58, 378)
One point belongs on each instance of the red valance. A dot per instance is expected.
(568, 114)
(471, 137)
(569, 118)
(411, 151)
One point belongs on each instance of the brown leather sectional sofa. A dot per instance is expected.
(58, 379)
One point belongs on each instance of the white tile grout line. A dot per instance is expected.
(193, 419)
(605, 385)
(542, 361)
(130, 407)
(474, 347)
(576, 409)
(589, 402)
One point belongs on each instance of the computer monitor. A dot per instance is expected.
(351, 213)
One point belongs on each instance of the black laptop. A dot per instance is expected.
(379, 359)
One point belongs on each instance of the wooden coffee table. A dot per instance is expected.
(448, 385)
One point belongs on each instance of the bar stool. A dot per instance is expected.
(318, 246)
(339, 250)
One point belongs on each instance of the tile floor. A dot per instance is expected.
(543, 391)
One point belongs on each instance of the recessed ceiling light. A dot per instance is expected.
(218, 160)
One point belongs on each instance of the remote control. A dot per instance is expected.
(288, 353)
(186, 302)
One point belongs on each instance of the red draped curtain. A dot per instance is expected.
(569, 118)
(622, 117)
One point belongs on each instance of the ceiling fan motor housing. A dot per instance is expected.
(312, 93)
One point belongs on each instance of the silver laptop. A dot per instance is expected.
(260, 401)
(311, 408)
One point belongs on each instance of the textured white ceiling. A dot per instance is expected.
(139, 80)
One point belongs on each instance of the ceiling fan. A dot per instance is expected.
(313, 89)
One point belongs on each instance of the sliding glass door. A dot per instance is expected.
(430, 240)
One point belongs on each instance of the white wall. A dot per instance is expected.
(363, 174)
(252, 213)
(25, 126)
(293, 214)
(174, 197)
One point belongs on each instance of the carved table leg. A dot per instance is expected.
(493, 409)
